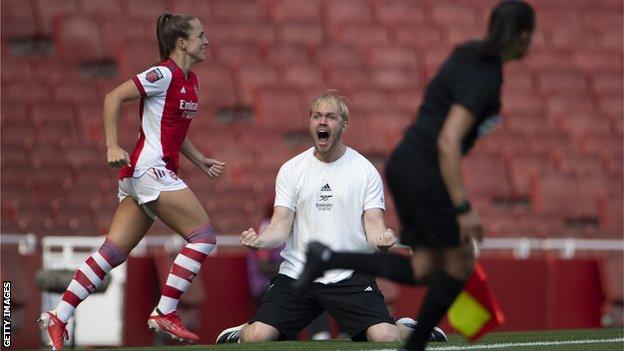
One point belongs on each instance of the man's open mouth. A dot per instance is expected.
(323, 135)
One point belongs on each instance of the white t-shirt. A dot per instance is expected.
(329, 200)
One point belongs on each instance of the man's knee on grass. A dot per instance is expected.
(383, 332)
(258, 332)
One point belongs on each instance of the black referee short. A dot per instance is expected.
(355, 303)
(422, 201)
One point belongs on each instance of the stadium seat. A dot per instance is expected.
(396, 12)
(395, 78)
(553, 82)
(391, 56)
(339, 57)
(47, 11)
(17, 133)
(237, 54)
(346, 80)
(147, 9)
(116, 30)
(528, 123)
(452, 15)
(280, 55)
(606, 83)
(284, 116)
(25, 91)
(79, 226)
(349, 11)
(486, 175)
(419, 37)
(361, 35)
(406, 100)
(304, 76)
(559, 193)
(78, 39)
(99, 7)
(252, 77)
(242, 10)
(18, 20)
(77, 93)
(295, 10)
(568, 161)
(299, 33)
(14, 156)
(522, 167)
(135, 56)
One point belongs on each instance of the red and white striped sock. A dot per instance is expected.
(186, 265)
(88, 277)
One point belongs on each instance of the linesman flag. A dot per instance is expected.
(475, 311)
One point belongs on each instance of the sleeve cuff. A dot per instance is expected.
(139, 86)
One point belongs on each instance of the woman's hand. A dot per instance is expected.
(117, 157)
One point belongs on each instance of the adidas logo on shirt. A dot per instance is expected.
(368, 288)
(326, 187)
(183, 90)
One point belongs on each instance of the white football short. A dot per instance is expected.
(147, 187)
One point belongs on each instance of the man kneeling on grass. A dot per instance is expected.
(329, 193)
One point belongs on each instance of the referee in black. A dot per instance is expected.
(424, 175)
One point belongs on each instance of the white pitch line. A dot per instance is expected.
(519, 344)
(526, 344)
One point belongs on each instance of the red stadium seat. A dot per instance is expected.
(19, 133)
(391, 56)
(346, 80)
(288, 54)
(283, 116)
(486, 175)
(251, 78)
(522, 167)
(18, 20)
(295, 10)
(299, 33)
(25, 91)
(339, 57)
(361, 35)
(400, 12)
(569, 161)
(421, 37)
(79, 226)
(14, 155)
(241, 32)
(217, 86)
(46, 11)
(238, 54)
(303, 76)
(99, 7)
(559, 193)
(77, 93)
(452, 15)
(241, 10)
(147, 9)
(79, 40)
(395, 79)
(358, 11)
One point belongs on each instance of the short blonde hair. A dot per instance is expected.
(333, 98)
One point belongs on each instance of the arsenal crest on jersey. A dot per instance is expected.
(153, 75)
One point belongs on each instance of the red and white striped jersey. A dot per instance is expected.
(168, 104)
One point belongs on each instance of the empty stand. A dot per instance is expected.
(556, 158)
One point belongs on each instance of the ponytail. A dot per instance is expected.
(169, 28)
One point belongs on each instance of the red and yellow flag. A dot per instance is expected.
(475, 311)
